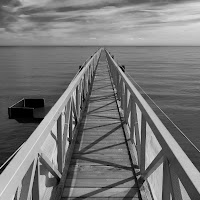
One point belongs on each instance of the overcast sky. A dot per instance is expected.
(99, 22)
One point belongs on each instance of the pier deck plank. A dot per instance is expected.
(100, 167)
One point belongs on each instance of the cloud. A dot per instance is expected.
(103, 20)
(37, 3)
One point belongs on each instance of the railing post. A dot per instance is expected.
(88, 80)
(125, 104)
(132, 119)
(36, 184)
(167, 184)
(117, 82)
(60, 144)
(119, 87)
(143, 144)
(91, 72)
(66, 129)
(88, 75)
(81, 93)
(176, 193)
(122, 93)
(74, 111)
(114, 76)
(35, 162)
(85, 86)
(135, 128)
(78, 102)
(18, 191)
(113, 73)
(93, 62)
(111, 70)
(70, 124)
(25, 191)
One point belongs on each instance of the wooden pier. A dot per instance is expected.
(101, 165)
(101, 140)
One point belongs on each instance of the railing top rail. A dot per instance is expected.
(26, 155)
(171, 147)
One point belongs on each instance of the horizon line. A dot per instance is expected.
(99, 45)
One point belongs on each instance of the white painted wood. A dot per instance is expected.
(122, 96)
(78, 102)
(66, 130)
(167, 184)
(60, 144)
(143, 145)
(132, 120)
(29, 196)
(135, 130)
(36, 184)
(125, 104)
(52, 169)
(153, 166)
(18, 192)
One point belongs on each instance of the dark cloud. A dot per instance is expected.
(13, 3)
(29, 10)
(42, 19)
(90, 7)
(72, 8)
(6, 12)
(156, 2)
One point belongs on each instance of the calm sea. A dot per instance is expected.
(169, 75)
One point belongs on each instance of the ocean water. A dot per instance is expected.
(33, 72)
(169, 75)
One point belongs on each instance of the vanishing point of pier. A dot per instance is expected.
(101, 140)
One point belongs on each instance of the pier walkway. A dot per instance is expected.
(100, 165)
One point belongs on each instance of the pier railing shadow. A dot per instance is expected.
(97, 193)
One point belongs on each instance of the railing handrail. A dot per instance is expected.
(171, 147)
(14, 172)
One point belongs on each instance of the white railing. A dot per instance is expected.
(163, 166)
(37, 168)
